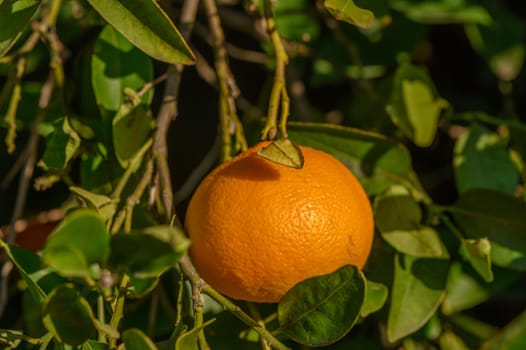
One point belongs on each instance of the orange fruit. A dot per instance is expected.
(258, 228)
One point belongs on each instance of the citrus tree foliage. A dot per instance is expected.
(112, 111)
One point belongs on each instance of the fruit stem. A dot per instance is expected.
(190, 272)
(278, 95)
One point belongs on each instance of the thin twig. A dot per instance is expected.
(228, 89)
(194, 278)
(279, 97)
(168, 111)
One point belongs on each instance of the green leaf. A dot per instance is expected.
(26, 264)
(443, 11)
(478, 253)
(131, 127)
(284, 152)
(147, 253)
(398, 217)
(62, 145)
(145, 24)
(499, 217)
(415, 105)
(450, 341)
(377, 161)
(68, 316)
(501, 43)
(478, 153)
(294, 22)
(94, 345)
(346, 10)
(135, 339)
(321, 310)
(511, 337)
(465, 289)
(14, 16)
(104, 205)
(418, 290)
(139, 287)
(117, 66)
(375, 298)
(79, 241)
(423, 110)
(188, 340)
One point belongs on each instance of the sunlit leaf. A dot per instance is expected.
(147, 26)
(321, 310)
(283, 152)
(14, 16)
(79, 241)
(415, 105)
(346, 10)
(375, 298)
(104, 205)
(418, 289)
(478, 253)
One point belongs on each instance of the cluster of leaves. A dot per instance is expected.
(443, 167)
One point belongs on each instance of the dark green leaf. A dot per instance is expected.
(147, 253)
(62, 144)
(375, 298)
(375, 160)
(139, 287)
(398, 217)
(501, 43)
(418, 290)
(499, 217)
(94, 345)
(415, 105)
(443, 11)
(144, 24)
(478, 152)
(346, 10)
(321, 310)
(14, 16)
(26, 264)
(465, 290)
(131, 127)
(478, 253)
(68, 316)
(283, 152)
(294, 22)
(79, 241)
(511, 337)
(135, 339)
(104, 205)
